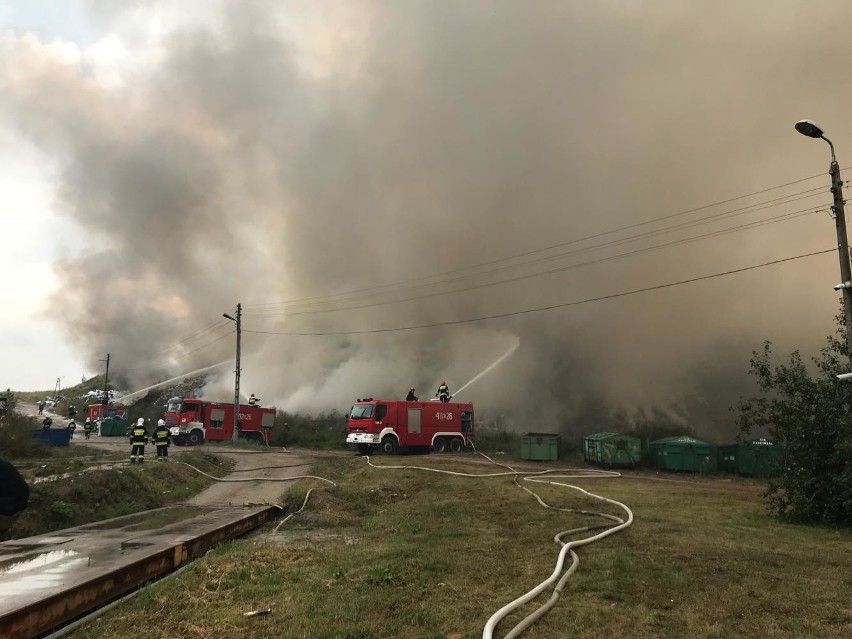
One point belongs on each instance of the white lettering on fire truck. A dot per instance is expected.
(445, 415)
(245, 417)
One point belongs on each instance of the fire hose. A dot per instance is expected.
(567, 548)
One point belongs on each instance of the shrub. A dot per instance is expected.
(810, 416)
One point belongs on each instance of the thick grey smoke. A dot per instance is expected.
(272, 151)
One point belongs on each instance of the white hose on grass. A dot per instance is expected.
(239, 479)
(545, 477)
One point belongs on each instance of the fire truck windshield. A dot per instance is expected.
(174, 405)
(361, 411)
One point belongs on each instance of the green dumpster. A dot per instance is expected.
(612, 449)
(540, 446)
(113, 427)
(681, 453)
(758, 457)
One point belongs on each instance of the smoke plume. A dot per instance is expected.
(277, 153)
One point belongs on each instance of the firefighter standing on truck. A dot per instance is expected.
(138, 438)
(443, 392)
(162, 440)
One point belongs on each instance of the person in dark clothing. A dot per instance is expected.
(46, 423)
(162, 440)
(88, 427)
(443, 392)
(138, 439)
(411, 397)
(72, 412)
(14, 496)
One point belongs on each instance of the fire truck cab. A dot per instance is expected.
(390, 425)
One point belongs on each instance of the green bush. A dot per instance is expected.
(326, 430)
(809, 415)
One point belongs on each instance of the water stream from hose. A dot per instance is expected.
(124, 398)
(494, 365)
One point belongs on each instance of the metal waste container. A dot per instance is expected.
(540, 446)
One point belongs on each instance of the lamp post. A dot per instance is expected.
(812, 130)
(238, 320)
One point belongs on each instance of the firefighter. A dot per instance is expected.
(162, 440)
(46, 423)
(72, 426)
(443, 392)
(253, 400)
(88, 427)
(72, 411)
(41, 407)
(411, 397)
(138, 438)
(14, 496)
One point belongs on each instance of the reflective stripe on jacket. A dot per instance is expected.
(161, 436)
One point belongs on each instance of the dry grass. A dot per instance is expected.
(409, 554)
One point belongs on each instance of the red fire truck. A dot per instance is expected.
(96, 412)
(389, 425)
(192, 421)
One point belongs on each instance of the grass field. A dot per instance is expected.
(405, 553)
(80, 485)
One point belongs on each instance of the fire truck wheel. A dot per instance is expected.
(389, 446)
(195, 438)
(455, 445)
(440, 445)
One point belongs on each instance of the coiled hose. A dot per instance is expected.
(558, 577)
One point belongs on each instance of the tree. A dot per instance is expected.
(810, 415)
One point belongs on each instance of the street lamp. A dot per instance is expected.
(812, 130)
(238, 321)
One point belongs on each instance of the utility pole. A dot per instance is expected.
(105, 400)
(812, 130)
(238, 320)
(843, 250)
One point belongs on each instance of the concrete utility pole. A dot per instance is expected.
(105, 399)
(812, 130)
(238, 320)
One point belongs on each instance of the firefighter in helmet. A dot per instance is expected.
(411, 397)
(88, 427)
(161, 440)
(138, 438)
(443, 392)
(253, 400)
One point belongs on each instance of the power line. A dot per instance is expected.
(184, 354)
(779, 218)
(546, 308)
(317, 299)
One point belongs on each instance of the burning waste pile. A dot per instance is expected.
(97, 394)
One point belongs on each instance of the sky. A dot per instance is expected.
(399, 193)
